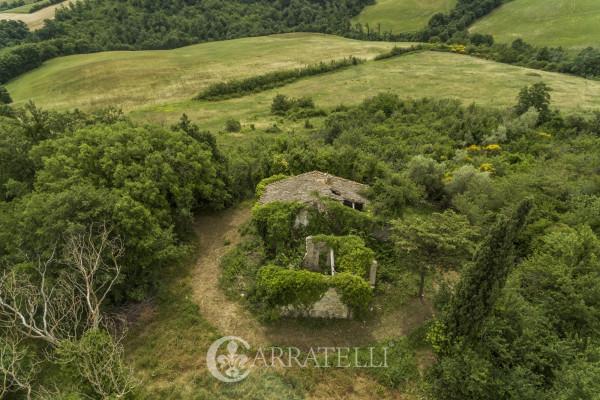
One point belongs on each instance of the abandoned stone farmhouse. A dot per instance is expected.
(307, 187)
(320, 257)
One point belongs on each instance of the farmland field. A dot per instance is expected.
(402, 15)
(158, 86)
(133, 78)
(427, 74)
(568, 23)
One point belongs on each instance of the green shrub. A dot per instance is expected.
(240, 266)
(401, 363)
(233, 125)
(4, 96)
(351, 254)
(355, 292)
(278, 286)
(342, 220)
(274, 223)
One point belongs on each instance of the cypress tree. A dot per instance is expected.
(482, 284)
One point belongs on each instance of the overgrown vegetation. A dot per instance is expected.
(469, 167)
(442, 175)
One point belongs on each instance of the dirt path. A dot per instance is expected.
(231, 318)
(35, 20)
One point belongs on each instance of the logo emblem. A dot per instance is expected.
(225, 363)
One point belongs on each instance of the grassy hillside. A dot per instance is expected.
(567, 23)
(34, 20)
(158, 85)
(402, 15)
(132, 79)
(21, 9)
(425, 74)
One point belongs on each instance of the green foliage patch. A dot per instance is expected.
(351, 253)
(277, 287)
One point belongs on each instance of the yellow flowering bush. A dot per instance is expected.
(493, 147)
(544, 135)
(487, 167)
(458, 48)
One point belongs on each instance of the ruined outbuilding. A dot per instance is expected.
(308, 187)
(320, 258)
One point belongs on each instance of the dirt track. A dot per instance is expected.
(231, 318)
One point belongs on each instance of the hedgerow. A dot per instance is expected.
(270, 80)
(398, 51)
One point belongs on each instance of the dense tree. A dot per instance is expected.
(12, 32)
(145, 182)
(587, 63)
(390, 197)
(536, 96)
(428, 174)
(434, 243)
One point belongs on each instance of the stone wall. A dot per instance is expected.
(312, 257)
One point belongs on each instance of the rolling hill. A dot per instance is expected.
(427, 74)
(158, 85)
(402, 15)
(131, 79)
(572, 24)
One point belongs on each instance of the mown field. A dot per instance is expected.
(34, 20)
(568, 23)
(131, 79)
(402, 15)
(427, 74)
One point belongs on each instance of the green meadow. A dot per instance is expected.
(131, 79)
(426, 74)
(402, 15)
(569, 23)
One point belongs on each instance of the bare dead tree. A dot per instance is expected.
(63, 307)
(93, 256)
(16, 373)
(44, 310)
